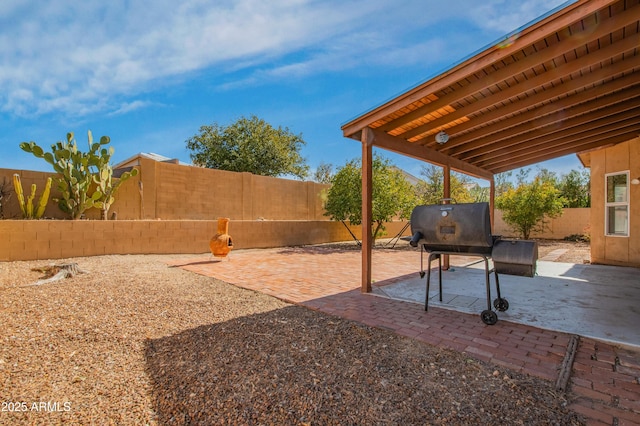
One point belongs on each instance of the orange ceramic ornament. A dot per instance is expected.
(221, 243)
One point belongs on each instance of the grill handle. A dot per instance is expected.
(415, 239)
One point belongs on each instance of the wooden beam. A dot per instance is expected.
(600, 121)
(500, 99)
(564, 47)
(367, 214)
(558, 112)
(446, 194)
(446, 184)
(556, 22)
(492, 202)
(533, 148)
(495, 118)
(570, 148)
(429, 155)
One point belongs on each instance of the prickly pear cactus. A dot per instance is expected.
(74, 174)
(84, 178)
(105, 184)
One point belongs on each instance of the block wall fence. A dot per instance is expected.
(572, 222)
(59, 239)
(171, 208)
(171, 191)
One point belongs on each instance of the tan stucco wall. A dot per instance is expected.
(607, 249)
(57, 239)
(171, 192)
(170, 208)
(571, 222)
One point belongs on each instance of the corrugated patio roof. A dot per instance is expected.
(568, 83)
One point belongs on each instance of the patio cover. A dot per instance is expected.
(568, 83)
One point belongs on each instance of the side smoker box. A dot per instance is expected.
(515, 257)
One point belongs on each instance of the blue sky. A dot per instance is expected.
(149, 74)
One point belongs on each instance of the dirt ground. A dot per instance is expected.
(572, 252)
(133, 341)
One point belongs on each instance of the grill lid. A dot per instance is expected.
(452, 227)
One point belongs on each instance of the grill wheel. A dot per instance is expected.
(501, 304)
(489, 317)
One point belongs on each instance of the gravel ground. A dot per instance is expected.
(134, 341)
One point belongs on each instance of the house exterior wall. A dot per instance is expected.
(615, 250)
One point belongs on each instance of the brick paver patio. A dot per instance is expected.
(605, 379)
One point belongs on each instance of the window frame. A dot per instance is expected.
(608, 204)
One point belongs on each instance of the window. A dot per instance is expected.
(617, 204)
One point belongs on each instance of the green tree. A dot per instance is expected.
(323, 173)
(502, 182)
(431, 189)
(548, 176)
(575, 188)
(527, 206)
(392, 195)
(249, 145)
(479, 194)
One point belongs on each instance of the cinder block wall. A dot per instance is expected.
(572, 222)
(170, 191)
(59, 239)
(182, 192)
(169, 208)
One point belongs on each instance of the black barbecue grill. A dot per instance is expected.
(465, 229)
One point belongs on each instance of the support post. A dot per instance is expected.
(367, 214)
(492, 199)
(446, 189)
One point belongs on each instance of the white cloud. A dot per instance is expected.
(506, 15)
(75, 57)
(384, 44)
(71, 47)
(131, 106)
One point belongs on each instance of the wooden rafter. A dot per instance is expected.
(568, 82)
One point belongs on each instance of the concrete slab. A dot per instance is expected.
(554, 255)
(597, 301)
